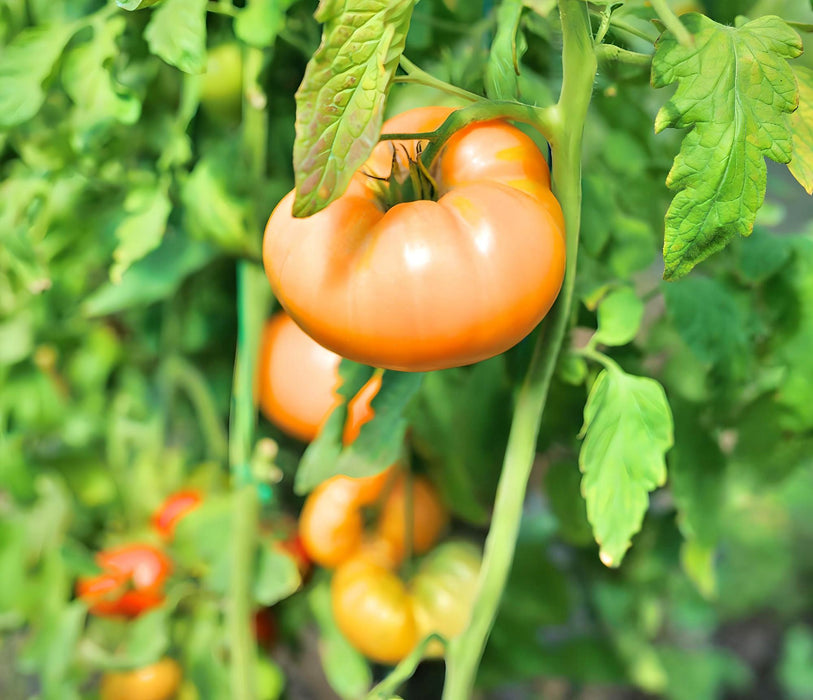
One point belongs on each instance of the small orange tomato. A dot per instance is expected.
(373, 610)
(429, 515)
(431, 283)
(158, 681)
(298, 380)
(331, 524)
(132, 581)
(174, 509)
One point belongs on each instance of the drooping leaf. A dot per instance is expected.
(735, 92)
(619, 317)
(259, 22)
(340, 103)
(627, 431)
(277, 576)
(146, 212)
(502, 68)
(24, 65)
(801, 124)
(177, 33)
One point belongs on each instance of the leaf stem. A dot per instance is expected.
(631, 29)
(564, 129)
(610, 53)
(421, 77)
(403, 671)
(672, 22)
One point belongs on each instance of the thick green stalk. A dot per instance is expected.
(579, 65)
(253, 294)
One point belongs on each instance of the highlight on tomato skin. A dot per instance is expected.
(176, 506)
(131, 582)
(431, 283)
(298, 380)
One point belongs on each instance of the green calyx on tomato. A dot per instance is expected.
(384, 617)
(131, 583)
(425, 285)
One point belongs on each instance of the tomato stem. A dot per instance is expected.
(416, 75)
(672, 22)
(564, 129)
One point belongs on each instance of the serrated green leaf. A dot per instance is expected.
(89, 83)
(708, 319)
(508, 47)
(177, 33)
(619, 317)
(627, 431)
(24, 65)
(277, 576)
(146, 212)
(735, 92)
(340, 103)
(259, 22)
(801, 124)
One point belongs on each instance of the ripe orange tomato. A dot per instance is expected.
(384, 618)
(298, 379)
(429, 516)
(174, 509)
(131, 583)
(158, 681)
(426, 285)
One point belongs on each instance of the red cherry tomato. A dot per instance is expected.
(132, 581)
(174, 509)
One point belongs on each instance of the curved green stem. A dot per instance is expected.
(610, 53)
(566, 127)
(672, 22)
(421, 77)
(403, 671)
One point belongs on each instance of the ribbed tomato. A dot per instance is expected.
(298, 379)
(432, 283)
(132, 581)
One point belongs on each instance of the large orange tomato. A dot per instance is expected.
(432, 283)
(158, 681)
(384, 617)
(132, 581)
(298, 379)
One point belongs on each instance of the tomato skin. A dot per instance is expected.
(132, 581)
(372, 608)
(173, 510)
(429, 516)
(427, 285)
(158, 681)
(298, 381)
(443, 591)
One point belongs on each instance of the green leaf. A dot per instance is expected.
(340, 103)
(345, 668)
(502, 68)
(16, 338)
(801, 124)
(142, 230)
(627, 431)
(702, 674)
(24, 65)
(762, 255)
(708, 319)
(619, 317)
(136, 4)
(796, 663)
(277, 576)
(459, 424)
(562, 488)
(259, 22)
(735, 93)
(177, 33)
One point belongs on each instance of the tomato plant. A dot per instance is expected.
(131, 583)
(542, 289)
(158, 681)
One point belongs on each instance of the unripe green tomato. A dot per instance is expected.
(443, 591)
(221, 92)
(270, 680)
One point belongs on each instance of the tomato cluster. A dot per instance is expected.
(435, 282)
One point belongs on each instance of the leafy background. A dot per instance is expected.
(129, 190)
